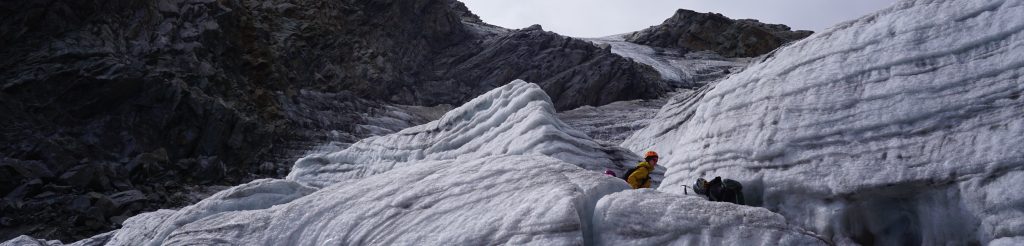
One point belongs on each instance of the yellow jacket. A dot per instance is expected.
(640, 178)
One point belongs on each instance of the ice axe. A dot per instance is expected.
(684, 190)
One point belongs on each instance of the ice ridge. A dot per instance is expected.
(916, 108)
(515, 119)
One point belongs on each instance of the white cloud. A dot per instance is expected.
(594, 18)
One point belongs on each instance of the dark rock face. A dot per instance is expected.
(710, 31)
(572, 71)
(98, 98)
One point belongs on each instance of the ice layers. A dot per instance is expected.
(516, 119)
(487, 193)
(903, 127)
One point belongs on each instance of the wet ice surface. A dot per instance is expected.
(903, 127)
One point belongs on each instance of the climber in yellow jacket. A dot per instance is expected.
(641, 176)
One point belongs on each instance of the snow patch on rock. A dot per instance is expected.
(679, 67)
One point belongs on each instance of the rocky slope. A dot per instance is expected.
(711, 31)
(573, 72)
(155, 97)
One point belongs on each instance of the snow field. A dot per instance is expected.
(902, 127)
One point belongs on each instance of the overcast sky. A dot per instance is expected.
(597, 18)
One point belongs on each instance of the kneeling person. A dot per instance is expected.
(641, 175)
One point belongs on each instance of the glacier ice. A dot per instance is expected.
(648, 217)
(521, 199)
(901, 127)
(515, 119)
(255, 195)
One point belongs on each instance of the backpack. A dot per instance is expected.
(720, 190)
(628, 172)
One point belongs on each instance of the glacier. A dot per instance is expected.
(532, 196)
(901, 127)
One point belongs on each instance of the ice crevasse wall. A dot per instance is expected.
(902, 127)
(535, 182)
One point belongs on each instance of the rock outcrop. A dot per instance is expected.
(161, 96)
(573, 72)
(711, 31)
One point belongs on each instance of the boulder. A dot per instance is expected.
(146, 165)
(80, 204)
(16, 171)
(118, 220)
(79, 176)
(128, 200)
(11, 182)
(105, 205)
(26, 189)
(209, 170)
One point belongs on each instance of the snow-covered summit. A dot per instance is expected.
(902, 127)
(515, 119)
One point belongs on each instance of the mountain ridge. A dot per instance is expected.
(695, 31)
